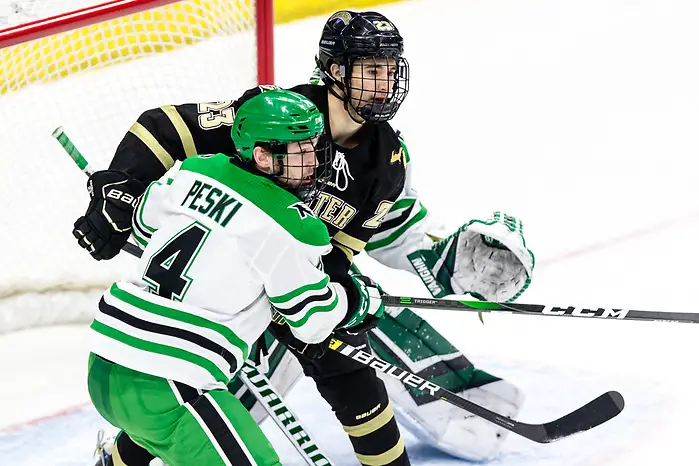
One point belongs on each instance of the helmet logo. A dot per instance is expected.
(343, 16)
(383, 26)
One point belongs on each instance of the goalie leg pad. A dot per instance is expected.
(406, 340)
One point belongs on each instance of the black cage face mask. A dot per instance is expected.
(303, 168)
(376, 87)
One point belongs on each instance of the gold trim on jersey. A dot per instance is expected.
(116, 457)
(372, 425)
(434, 238)
(347, 251)
(384, 458)
(349, 241)
(398, 157)
(140, 131)
(190, 149)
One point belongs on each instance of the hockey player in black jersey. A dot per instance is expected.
(369, 204)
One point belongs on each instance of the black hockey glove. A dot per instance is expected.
(106, 225)
(281, 331)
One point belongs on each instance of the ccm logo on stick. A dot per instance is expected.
(580, 312)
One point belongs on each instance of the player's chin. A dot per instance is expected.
(296, 182)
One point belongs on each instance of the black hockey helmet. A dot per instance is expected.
(350, 36)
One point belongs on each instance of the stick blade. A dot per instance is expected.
(596, 412)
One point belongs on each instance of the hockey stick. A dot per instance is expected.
(65, 142)
(454, 304)
(282, 416)
(540, 309)
(262, 388)
(594, 413)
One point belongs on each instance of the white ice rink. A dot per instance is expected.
(579, 117)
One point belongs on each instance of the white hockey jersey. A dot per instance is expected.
(222, 246)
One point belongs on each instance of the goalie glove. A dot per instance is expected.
(488, 259)
(106, 225)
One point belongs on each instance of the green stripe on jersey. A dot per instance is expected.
(182, 316)
(299, 291)
(397, 232)
(310, 312)
(276, 202)
(158, 348)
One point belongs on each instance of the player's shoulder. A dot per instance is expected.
(278, 207)
(316, 93)
(257, 90)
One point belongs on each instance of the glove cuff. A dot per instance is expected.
(435, 266)
(353, 298)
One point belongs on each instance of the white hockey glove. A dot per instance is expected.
(488, 259)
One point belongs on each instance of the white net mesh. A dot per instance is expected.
(94, 82)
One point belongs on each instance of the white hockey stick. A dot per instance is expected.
(262, 388)
(255, 381)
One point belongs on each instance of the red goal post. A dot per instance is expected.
(93, 69)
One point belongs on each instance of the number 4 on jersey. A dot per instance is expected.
(166, 271)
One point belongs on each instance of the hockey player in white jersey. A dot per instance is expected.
(371, 205)
(225, 244)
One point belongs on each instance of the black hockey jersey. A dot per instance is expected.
(365, 183)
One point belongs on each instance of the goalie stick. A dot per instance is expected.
(255, 381)
(540, 309)
(455, 304)
(594, 413)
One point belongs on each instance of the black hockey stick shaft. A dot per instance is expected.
(540, 309)
(594, 413)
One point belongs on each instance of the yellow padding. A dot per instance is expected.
(147, 32)
(286, 11)
(384, 458)
(118, 40)
(373, 425)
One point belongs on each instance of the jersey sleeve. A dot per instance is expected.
(147, 216)
(407, 227)
(164, 135)
(299, 289)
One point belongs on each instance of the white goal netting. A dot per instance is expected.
(94, 81)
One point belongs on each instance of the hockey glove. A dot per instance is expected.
(281, 331)
(365, 306)
(488, 259)
(106, 225)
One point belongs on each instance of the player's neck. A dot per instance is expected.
(342, 127)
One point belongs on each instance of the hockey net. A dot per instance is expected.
(93, 69)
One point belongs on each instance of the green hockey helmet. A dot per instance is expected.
(290, 127)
